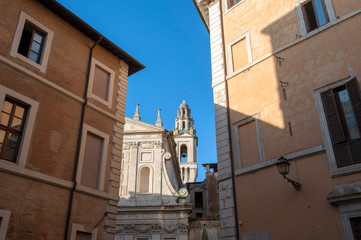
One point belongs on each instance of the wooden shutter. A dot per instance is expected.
(354, 93)
(333, 119)
(335, 128)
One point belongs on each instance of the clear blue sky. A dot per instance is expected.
(169, 38)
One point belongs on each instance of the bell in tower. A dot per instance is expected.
(187, 142)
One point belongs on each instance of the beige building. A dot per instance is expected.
(286, 76)
(153, 203)
(62, 100)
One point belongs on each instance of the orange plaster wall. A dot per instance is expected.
(264, 199)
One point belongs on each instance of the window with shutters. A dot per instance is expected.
(313, 14)
(339, 109)
(32, 42)
(101, 83)
(343, 113)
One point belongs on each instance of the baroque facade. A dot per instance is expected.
(62, 100)
(285, 77)
(153, 204)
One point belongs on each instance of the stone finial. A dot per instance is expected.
(159, 122)
(136, 115)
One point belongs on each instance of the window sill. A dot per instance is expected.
(351, 169)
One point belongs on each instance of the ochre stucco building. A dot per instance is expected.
(62, 100)
(286, 78)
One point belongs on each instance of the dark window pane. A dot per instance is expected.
(349, 116)
(310, 16)
(356, 227)
(25, 40)
(11, 147)
(7, 107)
(198, 200)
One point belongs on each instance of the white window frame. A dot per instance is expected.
(238, 159)
(47, 45)
(105, 137)
(95, 63)
(29, 122)
(347, 211)
(301, 20)
(246, 36)
(5, 215)
(81, 228)
(225, 5)
(150, 179)
(334, 170)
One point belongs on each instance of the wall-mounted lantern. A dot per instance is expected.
(283, 168)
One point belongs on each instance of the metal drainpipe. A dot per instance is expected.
(229, 122)
(80, 132)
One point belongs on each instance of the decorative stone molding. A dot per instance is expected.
(183, 192)
(167, 156)
(129, 145)
(145, 228)
(150, 144)
(170, 228)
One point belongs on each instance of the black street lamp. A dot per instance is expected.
(283, 168)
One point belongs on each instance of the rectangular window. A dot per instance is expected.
(342, 106)
(231, 3)
(92, 158)
(32, 42)
(198, 200)
(356, 227)
(4, 222)
(239, 53)
(92, 161)
(83, 236)
(314, 14)
(101, 83)
(81, 232)
(12, 120)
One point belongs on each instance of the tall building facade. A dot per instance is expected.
(153, 203)
(285, 77)
(62, 100)
(186, 143)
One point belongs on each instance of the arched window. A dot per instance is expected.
(184, 125)
(184, 153)
(144, 180)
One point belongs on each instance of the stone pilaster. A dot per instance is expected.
(226, 198)
(116, 152)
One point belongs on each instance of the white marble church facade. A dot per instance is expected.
(153, 203)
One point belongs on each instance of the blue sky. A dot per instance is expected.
(169, 38)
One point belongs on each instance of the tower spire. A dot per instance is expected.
(159, 122)
(136, 115)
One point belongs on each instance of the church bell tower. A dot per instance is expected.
(186, 143)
